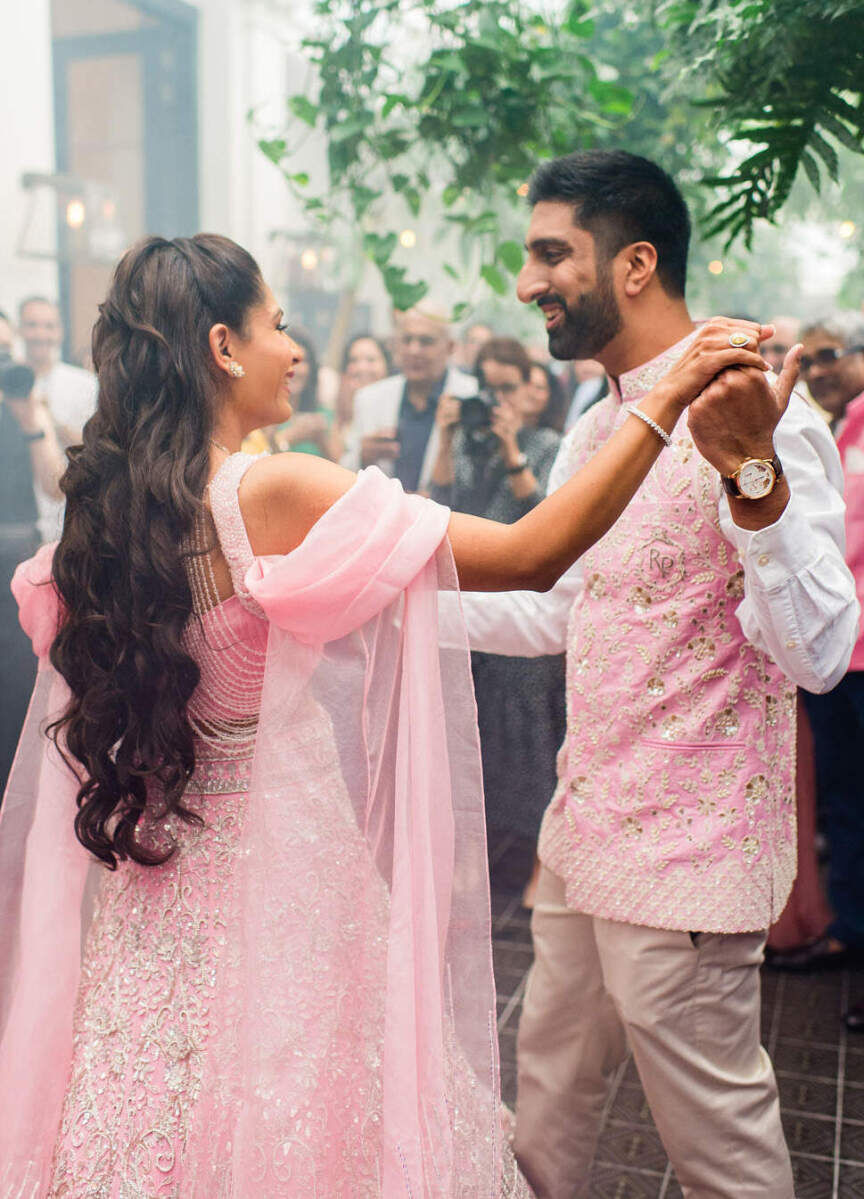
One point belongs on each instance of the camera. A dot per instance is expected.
(476, 413)
(16, 380)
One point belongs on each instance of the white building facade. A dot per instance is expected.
(128, 117)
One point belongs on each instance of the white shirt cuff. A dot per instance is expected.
(778, 552)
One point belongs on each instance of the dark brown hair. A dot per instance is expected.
(133, 491)
(621, 198)
(554, 415)
(506, 350)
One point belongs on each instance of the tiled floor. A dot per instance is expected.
(820, 1068)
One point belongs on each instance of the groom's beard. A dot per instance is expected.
(589, 324)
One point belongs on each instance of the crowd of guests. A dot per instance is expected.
(476, 423)
(44, 403)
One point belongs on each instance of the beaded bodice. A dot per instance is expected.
(228, 639)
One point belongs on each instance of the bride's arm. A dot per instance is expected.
(283, 496)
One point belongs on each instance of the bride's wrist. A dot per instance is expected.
(663, 405)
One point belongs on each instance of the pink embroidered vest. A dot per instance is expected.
(675, 799)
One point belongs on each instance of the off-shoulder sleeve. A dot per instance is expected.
(355, 561)
(39, 604)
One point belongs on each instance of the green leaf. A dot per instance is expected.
(450, 195)
(826, 152)
(406, 295)
(451, 271)
(842, 132)
(612, 97)
(273, 147)
(362, 198)
(300, 178)
(510, 254)
(413, 200)
(811, 168)
(494, 278)
(303, 108)
(459, 310)
(579, 25)
(346, 130)
(379, 247)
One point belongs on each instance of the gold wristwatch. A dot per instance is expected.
(754, 479)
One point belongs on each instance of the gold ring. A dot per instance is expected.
(737, 340)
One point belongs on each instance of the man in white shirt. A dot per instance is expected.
(69, 391)
(394, 419)
(669, 845)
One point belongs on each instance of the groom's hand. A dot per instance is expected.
(734, 419)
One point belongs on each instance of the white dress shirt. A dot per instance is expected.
(799, 602)
(70, 394)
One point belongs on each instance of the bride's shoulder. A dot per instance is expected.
(283, 495)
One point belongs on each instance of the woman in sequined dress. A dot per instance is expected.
(244, 926)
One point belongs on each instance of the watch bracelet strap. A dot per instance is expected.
(730, 483)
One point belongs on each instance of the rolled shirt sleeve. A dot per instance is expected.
(799, 602)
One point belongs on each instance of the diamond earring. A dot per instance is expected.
(236, 370)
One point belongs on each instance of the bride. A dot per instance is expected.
(244, 916)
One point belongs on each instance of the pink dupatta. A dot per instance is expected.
(43, 872)
(354, 640)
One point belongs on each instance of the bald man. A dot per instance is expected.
(394, 419)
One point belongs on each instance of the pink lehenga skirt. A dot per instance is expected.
(158, 985)
(300, 1002)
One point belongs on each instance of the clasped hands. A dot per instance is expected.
(734, 407)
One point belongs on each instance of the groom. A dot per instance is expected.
(669, 845)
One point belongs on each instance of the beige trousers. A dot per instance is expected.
(690, 1013)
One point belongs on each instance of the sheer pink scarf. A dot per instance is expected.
(43, 871)
(353, 618)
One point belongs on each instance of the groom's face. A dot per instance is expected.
(571, 281)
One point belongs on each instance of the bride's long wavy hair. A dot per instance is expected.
(133, 492)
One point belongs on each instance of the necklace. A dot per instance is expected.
(220, 446)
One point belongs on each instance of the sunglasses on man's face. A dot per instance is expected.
(826, 356)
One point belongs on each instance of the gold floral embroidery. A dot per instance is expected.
(652, 668)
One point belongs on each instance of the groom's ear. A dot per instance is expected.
(636, 265)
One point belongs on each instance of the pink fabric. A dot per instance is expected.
(38, 602)
(340, 1032)
(850, 443)
(807, 914)
(360, 595)
(43, 872)
(675, 800)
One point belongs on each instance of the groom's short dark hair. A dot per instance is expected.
(620, 198)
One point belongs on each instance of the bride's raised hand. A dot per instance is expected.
(721, 343)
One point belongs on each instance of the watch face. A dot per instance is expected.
(756, 479)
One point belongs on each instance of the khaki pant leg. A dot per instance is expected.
(692, 1019)
(570, 1042)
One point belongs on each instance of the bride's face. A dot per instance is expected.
(269, 357)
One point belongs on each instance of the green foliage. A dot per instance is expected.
(450, 103)
(445, 107)
(782, 76)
